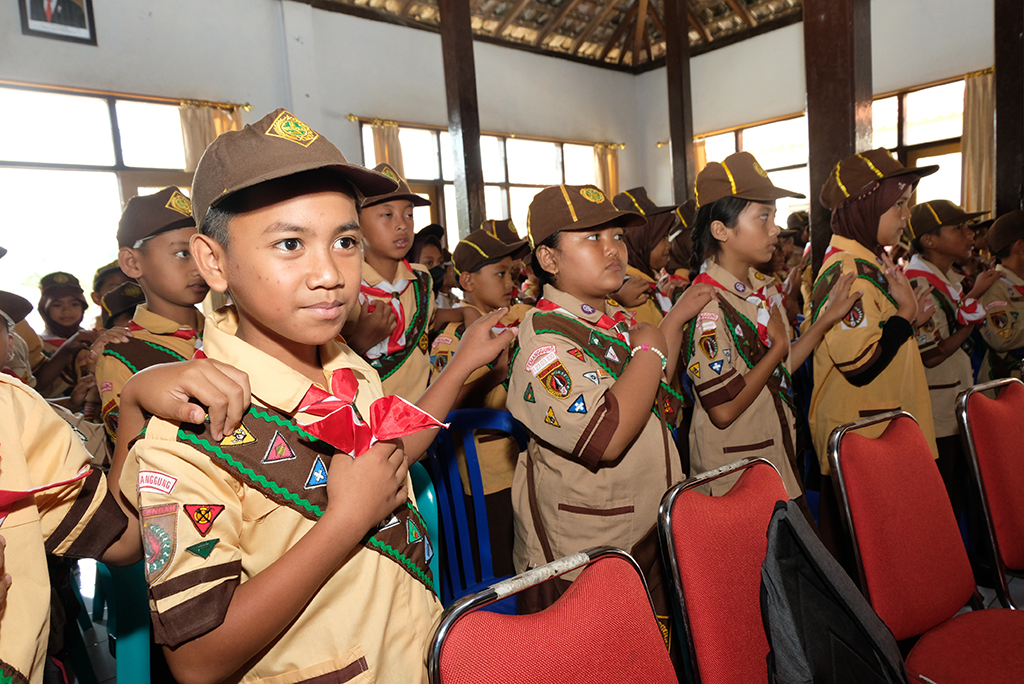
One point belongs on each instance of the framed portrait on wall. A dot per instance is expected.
(59, 19)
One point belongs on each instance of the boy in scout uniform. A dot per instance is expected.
(506, 231)
(260, 566)
(107, 277)
(62, 307)
(118, 306)
(1003, 303)
(390, 282)
(153, 237)
(484, 267)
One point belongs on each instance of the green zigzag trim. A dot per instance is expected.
(421, 301)
(131, 366)
(874, 282)
(277, 420)
(401, 558)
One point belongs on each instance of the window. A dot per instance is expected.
(66, 182)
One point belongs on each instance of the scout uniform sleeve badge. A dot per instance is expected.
(203, 515)
(550, 418)
(545, 365)
(279, 450)
(695, 369)
(159, 538)
(203, 549)
(578, 406)
(528, 394)
(318, 475)
(855, 317)
(593, 377)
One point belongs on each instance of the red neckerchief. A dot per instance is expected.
(182, 333)
(968, 311)
(758, 296)
(396, 341)
(832, 250)
(619, 323)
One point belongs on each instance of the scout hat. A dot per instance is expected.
(738, 175)
(929, 216)
(434, 230)
(854, 174)
(15, 306)
(147, 216)
(276, 146)
(401, 192)
(102, 272)
(504, 230)
(480, 247)
(125, 297)
(639, 201)
(573, 207)
(1006, 230)
(60, 284)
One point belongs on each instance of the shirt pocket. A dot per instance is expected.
(582, 524)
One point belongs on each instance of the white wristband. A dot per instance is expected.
(647, 347)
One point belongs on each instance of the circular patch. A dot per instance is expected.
(758, 170)
(592, 194)
(157, 544)
(424, 342)
(133, 290)
(587, 309)
(60, 278)
(740, 287)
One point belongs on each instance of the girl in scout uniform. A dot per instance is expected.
(737, 350)
(1003, 303)
(590, 389)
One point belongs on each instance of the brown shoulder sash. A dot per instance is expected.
(139, 354)
(415, 334)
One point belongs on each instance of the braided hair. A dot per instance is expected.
(727, 210)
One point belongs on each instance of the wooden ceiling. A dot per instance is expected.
(626, 35)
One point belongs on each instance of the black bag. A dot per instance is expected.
(820, 628)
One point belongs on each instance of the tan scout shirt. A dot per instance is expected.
(407, 372)
(206, 530)
(78, 520)
(1003, 329)
(852, 344)
(954, 375)
(153, 345)
(497, 453)
(714, 347)
(559, 392)
(33, 341)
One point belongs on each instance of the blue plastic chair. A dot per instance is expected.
(128, 621)
(426, 502)
(460, 573)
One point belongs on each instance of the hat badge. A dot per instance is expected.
(288, 126)
(132, 291)
(592, 194)
(759, 171)
(60, 278)
(179, 203)
(386, 171)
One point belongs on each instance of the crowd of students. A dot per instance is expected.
(256, 457)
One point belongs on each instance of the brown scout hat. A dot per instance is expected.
(797, 221)
(276, 146)
(124, 297)
(480, 247)
(637, 199)
(59, 280)
(504, 230)
(102, 272)
(929, 216)
(573, 207)
(15, 306)
(1006, 230)
(147, 216)
(401, 192)
(686, 213)
(738, 175)
(854, 174)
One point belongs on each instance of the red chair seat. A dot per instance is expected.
(979, 647)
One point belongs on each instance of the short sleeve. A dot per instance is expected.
(712, 363)
(929, 333)
(1002, 328)
(853, 342)
(111, 376)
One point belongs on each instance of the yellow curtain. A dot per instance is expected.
(387, 147)
(606, 168)
(201, 125)
(977, 181)
(700, 156)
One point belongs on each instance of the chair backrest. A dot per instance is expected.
(913, 565)
(461, 572)
(715, 547)
(426, 502)
(602, 629)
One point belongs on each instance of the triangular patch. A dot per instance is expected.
(577, 353)
(203, 515)
(318, 475)
(593, 377)
(695, 369)
(391, 521)
(728, 354)
(578, 406)
(240, 436)
(739, 333)
(528, 394)
(279, 450)
(428, 550)
(204, 548)
(595, 340)
(611, 355)
(716, 366)
(550, 418)
(414, 531)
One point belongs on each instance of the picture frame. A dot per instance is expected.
(70, 20)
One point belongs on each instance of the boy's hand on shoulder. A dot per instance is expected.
(841, 300)
(985, 280)
(375, 323)
(693, 299)
(363, 491)
(109, 336)
(633, 293)
(479, 345)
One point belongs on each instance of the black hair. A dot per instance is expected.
(1004, 253)
(543, 277)
(419, 241)
(727, 210)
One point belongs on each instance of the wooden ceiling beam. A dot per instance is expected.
(641, 29)
(647, 44)
(743, 12)
(697, 24)
(599, 18)
(403, 10)
(653, 11)
(556, 22)
(510, 16)
(617, 36)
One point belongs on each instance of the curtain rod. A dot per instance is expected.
(129, 96)
(375, 121)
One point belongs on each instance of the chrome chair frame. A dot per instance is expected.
(668, 546)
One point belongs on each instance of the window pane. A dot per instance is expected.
(782, 143)
(143, 191)
(451, 216)
(884, 116)
(796, 180)
(369, 151)
(492, 156)
(534, 162)
(944, 183)
(494, 203)
(421, 215)
(519, 204)
(65, 129)
(150, 135)
(419, 153)
(935, 113)
(718, 147)
(60, 247)
(447, 157)
(579, 164)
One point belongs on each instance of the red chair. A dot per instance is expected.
(602, 629)
(913, 566)
(715, 547)
(993, 435)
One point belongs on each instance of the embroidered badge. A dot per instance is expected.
(587, 309)
(594, 340)
(60, 278)
(550, 418)
(541, 358)
(424, 342)
(999, 320)
(178, 203)
(716, 366)
(708, 344)
(133, 290)
(706, 320)
(1014, 314)
(441, 360)
(203, 515)
(318, 475)
(759, 171)
(611, 355)
(428, 550)
(528, 394)
(556, 380)
(593, 377)
(728, 355)
(288, 127)
(695, 369)
(739, 333)
(203, 549)
(106, 386)
(386, 171)
(592, 194)
(279, 450)
(759, 276)
(413, 531)
(240, 436)
(157, 482)
(577, 353)
(740, 287)
(667, 407)
(578, 406)
(159, 538)
(855, 317)
(389, 522)
(441, 339)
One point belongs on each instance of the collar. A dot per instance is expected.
(274, 383)
(856, 249)
(158, 325)
(578, 308)
(372, 278)
(731, 283)
(919, 263)
(508, 319)
(1009, 275)
(637, 273)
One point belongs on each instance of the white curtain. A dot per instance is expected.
(977, 146)
(387, 147)
(606, 168)
(200, 126)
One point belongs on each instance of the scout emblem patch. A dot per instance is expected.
(595, 340)
(540, 358)
(203, 549)
(668, 406)
(855, 318)
(611, 355)
(424, 342)
(288, 127)
(203, 515)
(550, 418)
(318, 475)
(556, 380)
(441, 360)
(739, 333)
(413, 531)
(441, 339)
(386, 171)
(593, 377)
(716, 366)
(999, 320)
(278, 450)
(708, 344)
(695, 369)
(159, 538)
(593, 195)
(576, 353)
(578, 406)
(528, 394)
(156, 482)
(240, 436)
(180, 204)
(728, 354)
(587, 309)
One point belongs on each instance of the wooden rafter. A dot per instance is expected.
(617, 36)
(699, 26)
(647, 45)
(641, 29)
(599, 18)
(556, 22)
(741, 10)
(653, 11)
(511, 15)
(406, 5)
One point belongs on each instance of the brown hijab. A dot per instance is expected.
(858, 216)
(641, 241)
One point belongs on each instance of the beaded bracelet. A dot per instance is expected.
(647, 347)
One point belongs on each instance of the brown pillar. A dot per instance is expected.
(680, 109)
(463, 115)
(1009, 38)
(837, 56)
